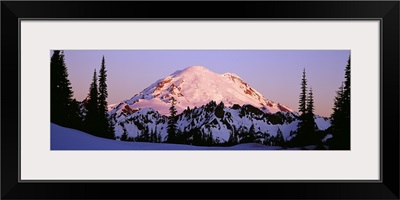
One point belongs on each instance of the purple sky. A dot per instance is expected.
(274, 73)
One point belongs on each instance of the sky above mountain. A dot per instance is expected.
(276, 74)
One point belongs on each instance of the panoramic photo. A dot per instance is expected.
(200, 99)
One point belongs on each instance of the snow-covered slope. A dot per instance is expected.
(70, 139)
(219, 120)
(196, 86)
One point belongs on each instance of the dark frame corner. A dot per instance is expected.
(387, 11)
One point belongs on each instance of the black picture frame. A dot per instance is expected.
(386, 11)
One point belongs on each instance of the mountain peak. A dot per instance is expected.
(196, 67)
(192, 70)
(195, 86)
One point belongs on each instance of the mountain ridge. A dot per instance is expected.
(221, 123)
(195, 86)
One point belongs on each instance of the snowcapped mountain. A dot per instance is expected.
(196, 86)
(216, 108)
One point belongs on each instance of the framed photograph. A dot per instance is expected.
(108, 99)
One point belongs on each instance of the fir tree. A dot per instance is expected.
(210, 139)
(311, 126)
(159, 137)
(92, 115)
(104, 123)
(346, 89)
(111, 128)
(338, 104)
(306, 127)
(340, 118)
(232, 139)
(172, 127)
(124, 136)
(252, 133)
(152, 136)
(197, 137)
(302, 100)
(301, 126)
(310, 113)
(248, 136)
(75, 117)
(64, 110)
(346, 105)
(279, 140)
(310, 103)
(145, 135)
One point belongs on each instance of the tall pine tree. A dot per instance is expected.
(346, 105)
(311, 126)
(307, 127)
(337, 114)
(310, 103)
(303, 95)
(104, 123)
(310, 112)
(64, 109)
(172, 127)
(92, 114)
(340, 118)
(301, 126)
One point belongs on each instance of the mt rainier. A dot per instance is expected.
(196, 86)
(218, 106)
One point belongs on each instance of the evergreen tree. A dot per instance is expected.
(272, 141)
(346, 89)
(172, 127)
(111, 128)
(197, 137)
(232, 139)
(310, 113)
(105, 127)
(310, 103)
(302, 100)
(248, 136)
(340, 118)
(279, 140)
(75, 117)
(64, 110)
(252, 133)
(338, 105)
(124, 136)
(203, 138)
(311, 126)
(301, 126)
(145, 136)
(92, 115)
(307, 127)
(337, 115)
(210, 139)
(346, 105)
(159, 137)
(152, 136)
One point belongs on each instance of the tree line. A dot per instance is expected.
(92, 115)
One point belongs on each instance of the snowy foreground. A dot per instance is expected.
(71, 139)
